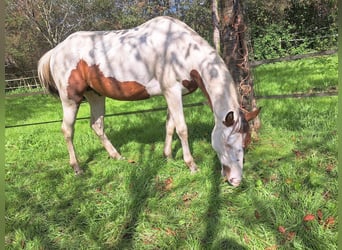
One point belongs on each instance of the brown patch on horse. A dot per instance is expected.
(198, 79)
(191, 86)
(77, 82)
(85, 76)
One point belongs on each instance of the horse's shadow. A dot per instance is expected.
(153, 125)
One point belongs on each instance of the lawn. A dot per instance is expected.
(287, 200)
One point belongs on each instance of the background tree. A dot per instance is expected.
(216, 27)
(235, 51)
(30, 25)
(277, 27)
(281, 28)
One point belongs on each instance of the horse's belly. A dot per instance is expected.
(126, 91)
(85, 76)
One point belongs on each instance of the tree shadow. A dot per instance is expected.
(141, 188)
(209, 238)
(228, 244)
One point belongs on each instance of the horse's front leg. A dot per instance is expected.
(170, 128)
(69, 116)
(175, 106)
(97, 109)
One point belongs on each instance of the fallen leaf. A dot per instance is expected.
(326, 195)
(165, 185)
(290, 236)
(319, 216)
(274, 247)
(170, 232)
(257, 214)
(168, 183)
(329, 168)
(274, 177)
(329, 222)
(309, 217)
(188, 197)
(131, 161)
(298, 153)
(265, 180)
(288, 181)
(281, 229)
(247, 240)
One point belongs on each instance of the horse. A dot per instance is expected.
(162, 56)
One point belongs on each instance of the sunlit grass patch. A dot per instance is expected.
(307, 75)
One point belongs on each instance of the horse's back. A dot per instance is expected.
(156, 55)
(143, 42)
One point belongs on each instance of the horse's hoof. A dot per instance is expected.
(117, 157)
(194, 171)
(168, 158)
(78, 172)
(193, 168)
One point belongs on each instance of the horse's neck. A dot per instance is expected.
(221, 89)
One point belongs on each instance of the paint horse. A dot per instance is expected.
(160, 57)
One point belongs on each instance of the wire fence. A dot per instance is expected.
(296, 95)
(27, 86)
(110, 115)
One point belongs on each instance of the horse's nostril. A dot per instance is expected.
(235, 182)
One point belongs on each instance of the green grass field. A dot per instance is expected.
(287, 200)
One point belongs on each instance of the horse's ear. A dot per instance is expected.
(251, 115)
(229, 120)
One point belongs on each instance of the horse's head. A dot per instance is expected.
(229, 139)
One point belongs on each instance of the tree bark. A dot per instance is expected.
(216, 30)
(233, 30)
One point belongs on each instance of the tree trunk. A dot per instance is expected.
(233, 30)
(216, 30)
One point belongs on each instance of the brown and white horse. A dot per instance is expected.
(160, 57)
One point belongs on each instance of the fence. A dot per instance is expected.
(23, 83)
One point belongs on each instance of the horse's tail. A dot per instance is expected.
(44, 74)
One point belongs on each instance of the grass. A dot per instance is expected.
(314, 74)
(149, 203)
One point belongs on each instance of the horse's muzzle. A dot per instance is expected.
(234, 177)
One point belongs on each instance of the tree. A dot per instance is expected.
(216, 30)
(233, 33)
(34, 26)
(54, 20)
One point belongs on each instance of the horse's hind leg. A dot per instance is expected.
(97, 109)
(69, 116)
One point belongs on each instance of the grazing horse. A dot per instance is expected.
(160, 57)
